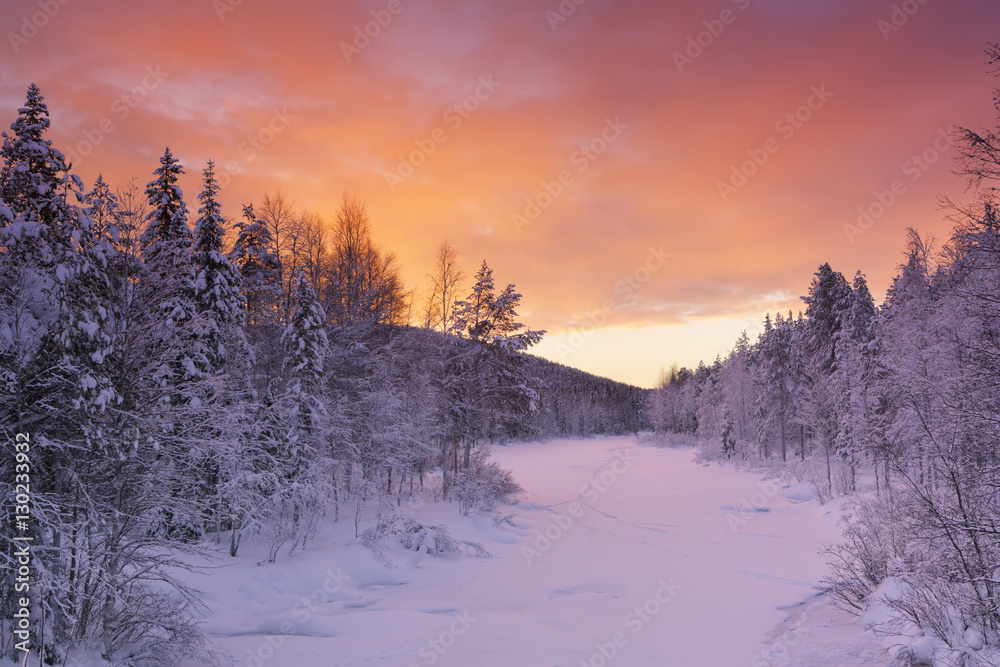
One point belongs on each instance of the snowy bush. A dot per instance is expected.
(436, 541)
(484, 484)
(415, 536)
(873, 548)
(912, 556)
(710, 449)
(157, 629)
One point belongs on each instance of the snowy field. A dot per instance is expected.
(620, 554)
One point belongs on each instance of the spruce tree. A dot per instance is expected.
(493, 393)
(217, 292)
(828, 306)
(777, 381)
(303, 410)
(305, 340)
(166, 253)
(254, 258)
(166, 241)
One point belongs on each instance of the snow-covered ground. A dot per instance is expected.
(621, 554)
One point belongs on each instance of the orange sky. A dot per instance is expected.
(636, 259)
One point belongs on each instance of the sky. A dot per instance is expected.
(653, 176)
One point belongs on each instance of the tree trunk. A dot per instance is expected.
(444, 466)
(888, 486)
(784, 446)
(829, 468)
(234, 539)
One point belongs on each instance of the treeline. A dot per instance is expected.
(178, 381)
(573, 403)
(901, 402)
(799, 391)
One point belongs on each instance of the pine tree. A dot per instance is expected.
(183, 376)
(51, 250)
(166, 241)
(777, 381)
(35, 177)
(853, 376)
(906, 336)
(166, 253)
(254, 257)
(217, 295)
(305, 341)
(494, 396)
(303, 410)
(828, 304)
(306, 348)
(52, 263)
(102, 207)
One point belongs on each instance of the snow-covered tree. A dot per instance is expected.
(53, 270)
(217, 294)
(167, 239)
(166, 252)
(254, 257)
(853, 377)
(494, 395)
(303, 410)
(827, 305)
(306, 342)
(777, 382)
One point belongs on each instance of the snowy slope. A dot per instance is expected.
(652, 563)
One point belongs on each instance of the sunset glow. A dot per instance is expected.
(654, 177)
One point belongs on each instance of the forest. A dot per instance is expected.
(172, 380)
(895, 405)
